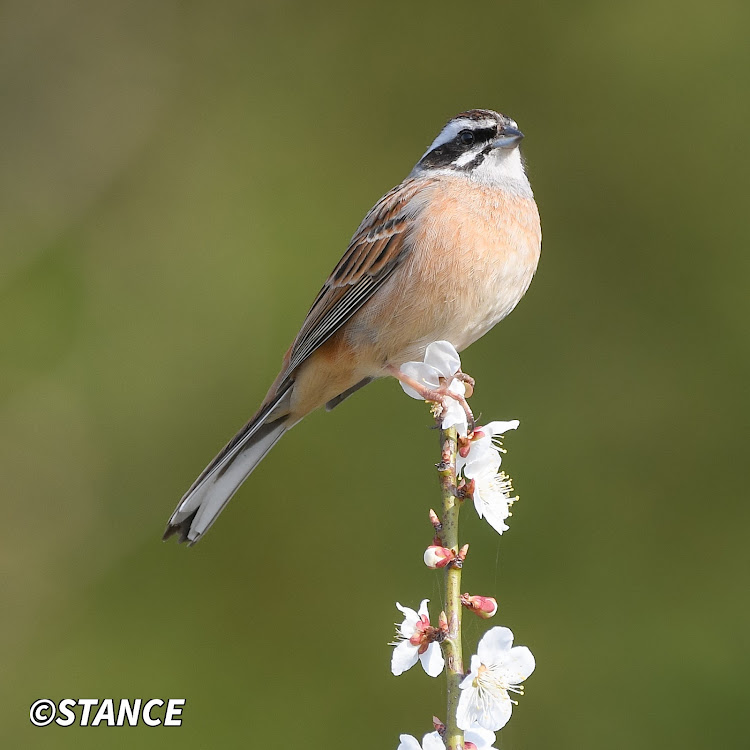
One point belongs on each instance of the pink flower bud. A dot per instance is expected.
(438, 557)
(483, 606)
(443, 622)
(464, 444)
(435, 521)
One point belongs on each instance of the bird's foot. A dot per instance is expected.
(440, 395)
(468, 381)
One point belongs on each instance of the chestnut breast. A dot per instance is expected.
(473, 252)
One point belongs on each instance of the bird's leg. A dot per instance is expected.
(440, 394)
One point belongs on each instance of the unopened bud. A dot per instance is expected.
(439, 726)
(443, 622)
(483, 606)
(464, 444)
(435, 521)
(438, 557)
(463, 552)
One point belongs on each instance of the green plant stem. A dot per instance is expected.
(452, 648)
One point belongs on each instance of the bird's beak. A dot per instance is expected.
(508, 138)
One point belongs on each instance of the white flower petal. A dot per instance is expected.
(482, 738)
(495, 645)
(458, 387)
(432, 660)
(409, 625)
(423, 609)
(496, 520)
(518, 665)
(475, 664)
(422, 373)
(478, 504)
(466, 713)
(500, 428)
(460, 464)
(495, 510)
(491, 496)
(483, 453)
(433, 741)
(483, 457)
(491, 713)
(442, 355)
(497, 713)
(408, 743)
(404, 657)
(455, 416)
(464, 717)
(484, 693)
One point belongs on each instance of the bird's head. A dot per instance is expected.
(480, 144)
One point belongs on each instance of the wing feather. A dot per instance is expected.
(378, 247)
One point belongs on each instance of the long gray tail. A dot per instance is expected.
(203, 502)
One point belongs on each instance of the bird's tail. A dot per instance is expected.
(201, 504)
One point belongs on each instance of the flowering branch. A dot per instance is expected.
(478, 703)
(452, 646)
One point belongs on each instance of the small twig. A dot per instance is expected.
(452, 648)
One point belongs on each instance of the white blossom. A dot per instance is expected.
(431, 741)
(441, 360)
(498, 668)
(415, 642)
(490, 442)
(492, 498)
(481, 739)
(492, 490)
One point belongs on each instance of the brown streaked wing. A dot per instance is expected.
(376, 250)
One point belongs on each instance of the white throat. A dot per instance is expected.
(504, 169)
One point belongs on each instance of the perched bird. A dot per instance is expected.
(445, 255)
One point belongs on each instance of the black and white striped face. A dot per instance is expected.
(479, 143)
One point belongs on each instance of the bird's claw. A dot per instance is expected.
(468, 381)
(439, 398)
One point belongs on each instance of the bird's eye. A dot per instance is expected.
(466, 137)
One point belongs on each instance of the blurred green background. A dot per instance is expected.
(179, 178)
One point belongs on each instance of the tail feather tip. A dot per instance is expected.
(181, 529)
